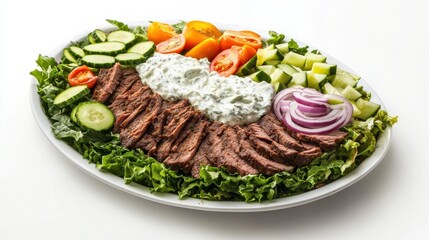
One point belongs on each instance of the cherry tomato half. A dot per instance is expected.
(208, 48)
(226, 63)
(159, 32)
(82, 76)
(198, 31)
(172, 45)
(240, 38)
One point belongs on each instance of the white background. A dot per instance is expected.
(44, 196)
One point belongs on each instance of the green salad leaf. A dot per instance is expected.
(103, 149)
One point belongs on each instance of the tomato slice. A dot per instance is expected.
(245, 53)
(240, 38)
(208, 48)
(198, 31)
(226, 63)
(159, 32)
(82, 76)
(172, 45)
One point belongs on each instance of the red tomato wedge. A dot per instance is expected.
(197, 31)
(240, 38)
(82, 76)
(172, 45)
(226, 63)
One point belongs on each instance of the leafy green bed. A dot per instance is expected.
(104, 150)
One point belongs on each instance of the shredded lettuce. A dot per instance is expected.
(105, 152)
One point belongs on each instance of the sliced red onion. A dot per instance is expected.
(306, 110)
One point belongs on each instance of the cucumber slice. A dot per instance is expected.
(351, 94)
(95, 116)
(324, 68)
(98, 61)
(248, 68)
(106, 48)
(128, 38)
(367, 108)
(299, 78)
(91, 39)
(329, 89)
(73, 114)
(99, 35)
(77, 52)
(354, 76)
(356, 111)
(68, 57)
(295, 59)
(260, 76)
(130, 58)
(144, 48)
(266, 54)
(313, 58)
(71, 95)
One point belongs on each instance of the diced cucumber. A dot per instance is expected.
(283, 47)
(77, 52)
(329, 89)
(316, 80)
(99, 35)
(71, 95)
(351, 94)
(128, 38)
(279, 76)
(272, 62)
(299, 78)
(68, 57)
(342, 80)
(356, 111)
(144, 48)
(287, 68)
(354, 76)
(268, 69)
(324, 68)
(312, 58)
(98, 61)
(130, 58)
(265, 54)
(106, 48)
(367, 108)
(260, 76)
(95, 116)
(270, 47)
(247, 68)
(295, 59)
(278, 86)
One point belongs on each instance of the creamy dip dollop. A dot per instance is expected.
(231, 100)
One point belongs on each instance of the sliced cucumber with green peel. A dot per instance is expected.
(68, 57)
(283, 47)
(313, 58)
(146, 49)
(329, 89)
(268, 69)
(128, 38)
(367, 108)
(264, 55)
(98, 61)
(279, 76)
(99, 35)
(287, 68)
(71, 95)
(95, 116)
(316, 80)
(77, 52)
(130, 58)
(107, 48)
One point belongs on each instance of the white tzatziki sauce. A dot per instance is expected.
(231, 100)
